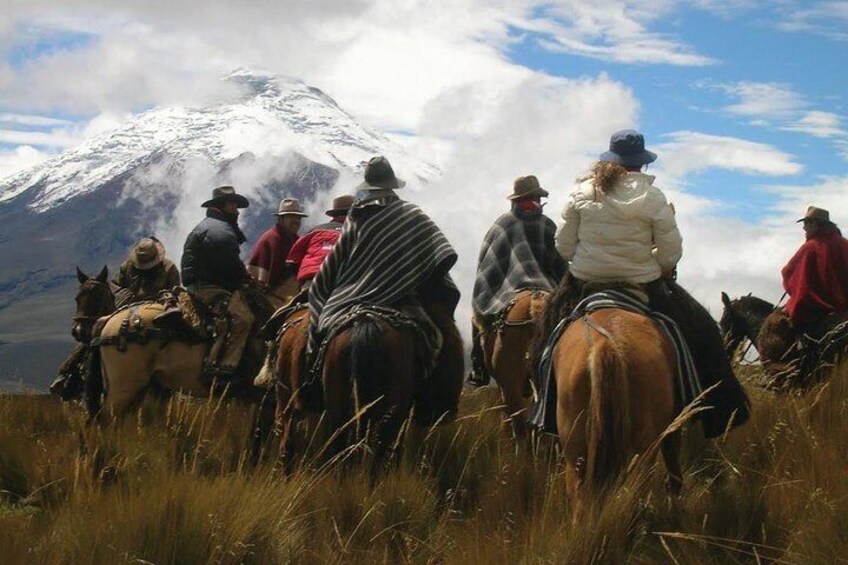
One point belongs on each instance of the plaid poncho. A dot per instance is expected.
(517, 253)
(388, 249)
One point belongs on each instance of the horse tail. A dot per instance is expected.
(94, 383)
(368, 359)
(609, 418)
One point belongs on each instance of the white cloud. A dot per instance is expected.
(20, 158)
(29, 120)
(688, 152)
(819, 124)
(828, 19)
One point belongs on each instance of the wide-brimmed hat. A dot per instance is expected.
(379, 174)
(817, 214)
(627, 148)
(526, 187)
(341, 205)
(223, 194)
(290, 207)
(147, 253)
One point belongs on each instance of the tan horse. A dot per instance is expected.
(505, 349)
(615, 398)
(136, 357)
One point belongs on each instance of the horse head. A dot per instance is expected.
(742, 319)
(94, 299)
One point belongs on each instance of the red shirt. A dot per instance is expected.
(311, 249)
(268, 261)
(816, 277)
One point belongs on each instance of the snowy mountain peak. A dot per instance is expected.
(275, 117)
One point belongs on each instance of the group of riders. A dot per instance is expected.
(379, 251)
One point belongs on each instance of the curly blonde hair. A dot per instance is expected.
(605, 175)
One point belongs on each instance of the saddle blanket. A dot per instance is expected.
(542, 412)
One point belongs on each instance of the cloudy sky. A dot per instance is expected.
(743, 100)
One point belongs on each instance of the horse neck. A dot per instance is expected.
(755, 318)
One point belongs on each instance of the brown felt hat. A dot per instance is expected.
(147, 253)
(223, 194)
(341, 205)
(817, 214)
(526, 187)
(379, 174)
(290, 207)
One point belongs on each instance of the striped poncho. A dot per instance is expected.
(518, 253)
(387, 251)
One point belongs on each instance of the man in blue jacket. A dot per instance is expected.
(214, 274)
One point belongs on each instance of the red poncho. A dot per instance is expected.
(267, 263)
(816, 278)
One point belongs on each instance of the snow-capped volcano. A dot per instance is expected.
(277, 137)
(275, 116)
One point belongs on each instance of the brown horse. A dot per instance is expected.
(373, 377)
(614, 373)
(505, 350)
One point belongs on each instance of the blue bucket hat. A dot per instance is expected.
(627, 148)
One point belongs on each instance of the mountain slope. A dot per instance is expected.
(87, 206)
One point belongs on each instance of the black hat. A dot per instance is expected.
(627, 148)
(223, 194)
(379, 174)
(526, 187)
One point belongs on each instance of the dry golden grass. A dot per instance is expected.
(170, 484)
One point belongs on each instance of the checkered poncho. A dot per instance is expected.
(517, 253)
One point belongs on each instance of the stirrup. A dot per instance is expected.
(477, 380)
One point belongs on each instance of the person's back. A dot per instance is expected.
(816, 277)
(625, 233)
(308, 254)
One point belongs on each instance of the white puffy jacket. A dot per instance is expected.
(628, 234)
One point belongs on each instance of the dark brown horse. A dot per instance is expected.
(789, 359)
(614, 374)
(373, 377)
(94, 299)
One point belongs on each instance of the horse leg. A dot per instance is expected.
(510, 371)
(670, 447)
(338, 394)
(262, 426)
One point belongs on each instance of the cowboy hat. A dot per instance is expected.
(147, 253)
(816, 214)
(379, 174)
(341, 205)
(290, 207)
(223, 194)
(526, 187)
(627, 148)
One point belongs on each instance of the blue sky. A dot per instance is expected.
(744, 100)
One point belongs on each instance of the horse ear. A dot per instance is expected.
(104, 275)
(81, 277)
(725, 299)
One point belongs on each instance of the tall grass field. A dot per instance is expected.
(171, 483)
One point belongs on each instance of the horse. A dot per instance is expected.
(94, 299)
(789, 358)
(374, 378)
(614, 372)
(505, 350)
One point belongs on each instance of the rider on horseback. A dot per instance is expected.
(517, 253)
(214, 274)
(391, 255)
(309, 252)
(145, 273)
(816, 277)
(267, 263)
(620, 229)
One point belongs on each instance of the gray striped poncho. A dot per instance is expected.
(387, 250)
(518, 253)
